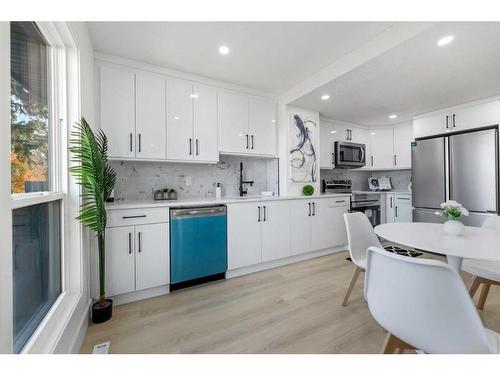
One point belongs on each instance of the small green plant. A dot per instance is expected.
(308, 190)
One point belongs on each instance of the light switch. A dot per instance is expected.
(188, 180)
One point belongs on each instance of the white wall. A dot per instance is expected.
(5, 199)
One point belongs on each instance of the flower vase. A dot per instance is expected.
(454, 228)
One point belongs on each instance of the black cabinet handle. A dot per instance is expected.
(391, 203)
(347, 134)
(133, 217)
(447, 117)
(453, 120)
(190, 146)
(130, 141)
(259, 215)
(130, 243)
(395, 160)
(372, 160)
(264, 207)
(197, 146)
(139, 142)
(252, 140)
(314, 209)
(309, 214)
(140, 240)
(396, 211)
(247, 141)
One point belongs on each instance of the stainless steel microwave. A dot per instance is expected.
(350, 155)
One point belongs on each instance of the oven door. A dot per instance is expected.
(350, 155)
(371, 212)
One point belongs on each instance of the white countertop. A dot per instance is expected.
(382, 192)
(150, 203)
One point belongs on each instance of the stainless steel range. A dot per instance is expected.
(368, 203)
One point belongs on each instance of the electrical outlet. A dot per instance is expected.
(188, 180)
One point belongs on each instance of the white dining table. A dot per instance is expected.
(475, 243)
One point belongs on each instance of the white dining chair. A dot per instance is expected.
(424, 304)
(360, 236)
(483, 273)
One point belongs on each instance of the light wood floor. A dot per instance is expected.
(291, 309)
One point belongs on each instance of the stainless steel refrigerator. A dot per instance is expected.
(462, 167)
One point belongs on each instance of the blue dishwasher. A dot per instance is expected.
(198, 245)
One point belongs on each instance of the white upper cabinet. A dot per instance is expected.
(263, 126)
(458, 118)
(326, 144)
(205, 124)
(402, 145)
(180, 142)
(247, 125)
(381, 147)
(233, 123)
(150, 117)
(117, 110)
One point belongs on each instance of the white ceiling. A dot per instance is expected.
(416, 77)
(267, 56)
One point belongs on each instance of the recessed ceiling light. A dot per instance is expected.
(325, 97)
(193, 96)
(333, 132)
(393, 116)
(445, 40)
(223, 50)
(372, 133)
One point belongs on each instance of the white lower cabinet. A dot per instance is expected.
(275, 230)
(120, 260)
(243, 235)
(317, 224)
(137, 256)
(152, 258)
(398, 208)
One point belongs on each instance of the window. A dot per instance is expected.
(36, 214)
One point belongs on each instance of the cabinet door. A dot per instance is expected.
(233, 123)
(403, 210)
(263, 126)
(430, 125)
(327, 134)
(117, 110)
(243, 235)
(152, 247)
(476, 116)
(151, 127)
(120, 270)
(389, 208)
(328, 227)
(381, 146)
(402, 146)
(180, 142)
(363, 136)
(300, 226)
(275, 230)
(205, 124)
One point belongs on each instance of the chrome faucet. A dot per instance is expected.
(243, 192)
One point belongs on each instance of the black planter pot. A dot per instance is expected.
(100, 314)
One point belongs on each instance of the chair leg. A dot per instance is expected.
(393, 345)
(484, 294)
(476, 282)
(355, 276)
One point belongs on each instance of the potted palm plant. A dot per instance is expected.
(97, 179)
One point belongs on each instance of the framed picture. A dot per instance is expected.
(303, 146)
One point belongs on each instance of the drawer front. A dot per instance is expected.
(340, 201)
(136, 216)
(402, 198)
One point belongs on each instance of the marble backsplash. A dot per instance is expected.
(359, 178)
(136, 179)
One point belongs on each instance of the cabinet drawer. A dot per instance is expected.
(118, 218)
(340, 201)
(402, 198)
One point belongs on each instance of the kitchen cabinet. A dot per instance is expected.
(191, 122)
(258, 232)
(151, 265)
(402, 145)
(458, 118)
(150, 130)
(117, 110)
(247, 125)
(243, 234)
(137, 255)
(398, 208)
(326, 144)
(275, 223)
(317, 224)
(120, 260)
(381, 148)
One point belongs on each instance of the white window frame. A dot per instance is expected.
(65, 111)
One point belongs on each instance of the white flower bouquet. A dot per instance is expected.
(453, 210)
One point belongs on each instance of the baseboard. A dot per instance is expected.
(283, 262)
(140, 295)
(80, 336)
